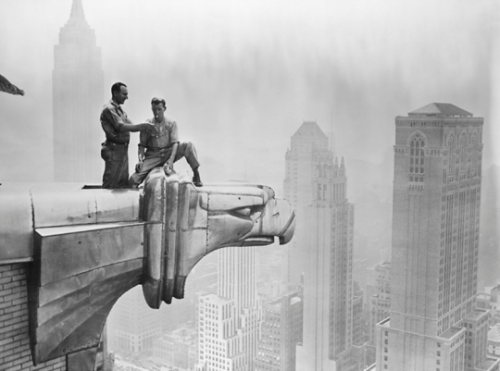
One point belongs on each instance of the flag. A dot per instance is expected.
(7, 87)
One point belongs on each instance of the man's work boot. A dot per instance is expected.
(196, 178)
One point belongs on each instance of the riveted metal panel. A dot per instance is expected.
(68, 254)
(79, 322)
(114, 205)
(16, 222)
(86, 281)
(56, 204)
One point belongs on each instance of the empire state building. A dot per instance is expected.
(77, 83)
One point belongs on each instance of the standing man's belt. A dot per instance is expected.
(113, 144)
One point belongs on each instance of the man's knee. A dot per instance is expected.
(188, 147)
(135, 180)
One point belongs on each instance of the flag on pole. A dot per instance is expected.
(7, 87)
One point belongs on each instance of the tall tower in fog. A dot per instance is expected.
(434, 323)
(321, 250)
(77, 84)
(228, 323)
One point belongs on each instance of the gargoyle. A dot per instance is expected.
(88, 246)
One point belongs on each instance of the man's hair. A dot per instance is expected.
(117, 87)
(155, 101)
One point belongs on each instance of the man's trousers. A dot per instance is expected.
(115, 157)
(155, 158)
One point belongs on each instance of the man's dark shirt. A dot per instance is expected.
(112, 117)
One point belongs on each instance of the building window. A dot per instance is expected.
(417, 158)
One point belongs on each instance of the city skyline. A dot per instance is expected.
(240, 98)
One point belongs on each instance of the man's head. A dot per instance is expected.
(119, 92)
(158, 107)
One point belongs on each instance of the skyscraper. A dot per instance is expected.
(228, 323)
(434, 323)
(77, 87)
(315, 184)
(281, 330)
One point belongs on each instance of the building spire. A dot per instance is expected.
(77, 9)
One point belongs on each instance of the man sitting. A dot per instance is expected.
(163, 148)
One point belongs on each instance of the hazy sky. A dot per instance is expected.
(239, 77)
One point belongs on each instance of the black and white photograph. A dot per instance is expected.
(234, 185)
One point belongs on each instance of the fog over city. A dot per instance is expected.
(240, 77)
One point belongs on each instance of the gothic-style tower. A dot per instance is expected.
(434, 323)
(77, 83)
(315, 185)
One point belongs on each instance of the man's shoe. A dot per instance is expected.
(197, 181)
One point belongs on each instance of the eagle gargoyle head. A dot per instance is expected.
(201, 220)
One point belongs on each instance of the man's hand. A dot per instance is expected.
(149, 127)
(168, 167)
(139, 164)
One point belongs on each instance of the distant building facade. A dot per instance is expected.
(228, 323)
(78, 96)
(178, 348)
(133, 326)
(358, 322)
(380, 301)
(494, 341)
(315, 184)
(437, 189)
(281, 330)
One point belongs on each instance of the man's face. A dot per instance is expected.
(158, 111)
(121, 96)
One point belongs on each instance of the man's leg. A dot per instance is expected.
(188, 150)
(147, 165)
(116, 167)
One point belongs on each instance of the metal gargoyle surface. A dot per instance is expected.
(88, 246)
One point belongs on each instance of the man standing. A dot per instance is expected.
(163, 148)
(117, 127)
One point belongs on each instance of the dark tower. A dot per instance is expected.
(77, 83)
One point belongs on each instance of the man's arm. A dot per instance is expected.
(143, 141)
(120, 125)
(174, 138)
(137, 127)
